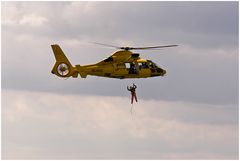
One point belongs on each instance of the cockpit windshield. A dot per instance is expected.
(152, 64)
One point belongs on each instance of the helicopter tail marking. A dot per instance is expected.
(62, 67)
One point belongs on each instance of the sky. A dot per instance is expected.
(191, 113)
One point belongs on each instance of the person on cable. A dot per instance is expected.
(132, 89)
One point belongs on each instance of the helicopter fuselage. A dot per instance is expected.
(122, 64)
(140, 68)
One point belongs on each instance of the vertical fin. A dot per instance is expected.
(59, 54)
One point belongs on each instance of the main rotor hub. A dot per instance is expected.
(126, 48)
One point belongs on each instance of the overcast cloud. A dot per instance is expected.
(190, 113)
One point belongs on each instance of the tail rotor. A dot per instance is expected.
(63, 69)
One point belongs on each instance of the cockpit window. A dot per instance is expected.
(143, 65)
(152, 64)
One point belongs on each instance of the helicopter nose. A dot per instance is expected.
(161, 71)
(164, 72)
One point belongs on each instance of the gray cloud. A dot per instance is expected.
(134, 21)
(40, 125)
(209, 76)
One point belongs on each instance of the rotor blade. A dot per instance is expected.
(134, 48)
(112, 46)
(152, 47)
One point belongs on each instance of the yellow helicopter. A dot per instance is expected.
(122, 64)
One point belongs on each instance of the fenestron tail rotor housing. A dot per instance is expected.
(63, 69)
